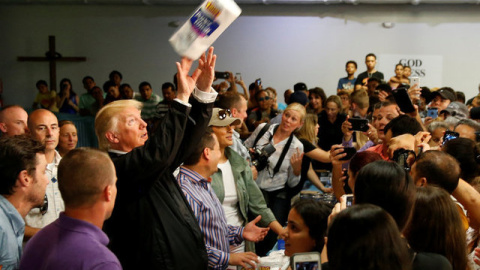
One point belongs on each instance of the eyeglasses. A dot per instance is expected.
(44, 207)
(222, 114)
(263, 98)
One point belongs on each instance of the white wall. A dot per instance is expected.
(281, 44)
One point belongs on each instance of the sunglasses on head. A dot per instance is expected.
(222, 114)
(263, 98)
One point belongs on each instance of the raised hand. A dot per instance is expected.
(346, 129)
(296, 162)
(186, 83)
(206, 66)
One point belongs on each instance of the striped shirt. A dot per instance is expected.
(149, 109)
(238, 147)
(211, 217)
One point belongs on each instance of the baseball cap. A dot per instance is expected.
(223, 118)
(298, 97)
(457, 110)
(300, 87)
(444, 93)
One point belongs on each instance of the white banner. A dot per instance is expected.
(427, 67)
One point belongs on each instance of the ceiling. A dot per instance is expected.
(243, 2)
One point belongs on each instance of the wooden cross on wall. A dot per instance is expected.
(52, 57)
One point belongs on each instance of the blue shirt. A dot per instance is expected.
(69, 243)
(345, 83)
(210, 215)
(12, 229)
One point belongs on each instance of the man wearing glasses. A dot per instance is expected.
(43, 126)
(152, 225)
(22, 187)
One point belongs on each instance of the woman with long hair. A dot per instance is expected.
(67, 100)
(436, 227)
(308, 136)
(307, 226)
(281, 170)
(366, 237)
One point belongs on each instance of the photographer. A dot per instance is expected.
(281, 170)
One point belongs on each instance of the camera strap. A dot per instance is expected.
(285, 149)
(284, 152)
(260, 134)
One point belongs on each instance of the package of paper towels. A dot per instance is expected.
(204, 27)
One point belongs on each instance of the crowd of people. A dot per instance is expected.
(210, 177)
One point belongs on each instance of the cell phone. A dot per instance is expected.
(305, 260)
(432, 112)
(449, 135)
(350, 152)
(258, 81)
(403, 100)
(222, 75)
(359, 124)
(238, 76)
(348, 199)
(414, 80)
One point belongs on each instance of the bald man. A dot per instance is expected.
(76, 240)
(13, 120)
(43, 126)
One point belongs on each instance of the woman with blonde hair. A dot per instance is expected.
(308, 136)
(281, 170)
(68, 137)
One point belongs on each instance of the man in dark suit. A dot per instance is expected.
(152, 225)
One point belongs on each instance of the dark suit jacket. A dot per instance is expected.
(152, 225)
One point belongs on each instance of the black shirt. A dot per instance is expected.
(362, 79)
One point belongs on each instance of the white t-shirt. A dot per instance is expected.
(230, 202)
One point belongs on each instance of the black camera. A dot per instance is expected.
(404, 158)
(260, 156)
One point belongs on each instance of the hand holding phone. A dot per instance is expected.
(222, 75)
(403, 100)
(449, 135)
(359, 124)
(350, 151)
(305, 260)
(415, 80)
(432, 112)
(348, 199)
